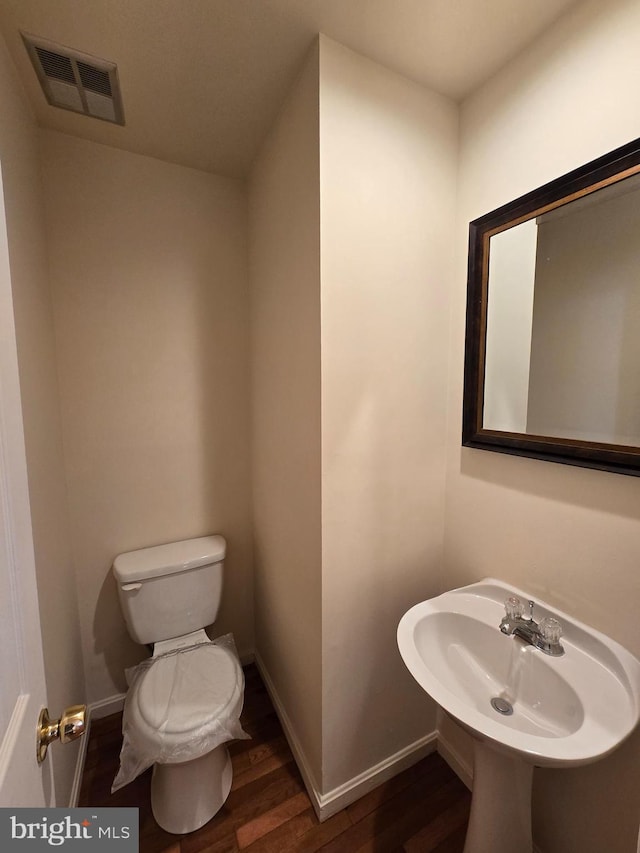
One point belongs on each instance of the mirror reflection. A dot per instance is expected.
(563, 321)
(552, 349)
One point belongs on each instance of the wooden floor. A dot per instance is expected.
(423, 810)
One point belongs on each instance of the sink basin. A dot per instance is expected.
(475, 664)
(547, 711)
(567, 710)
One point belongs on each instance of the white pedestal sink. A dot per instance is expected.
(563, 711)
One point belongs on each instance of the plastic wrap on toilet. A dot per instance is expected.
(163, 744)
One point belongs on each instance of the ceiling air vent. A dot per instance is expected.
(76, 81)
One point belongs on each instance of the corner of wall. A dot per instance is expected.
(285, 284)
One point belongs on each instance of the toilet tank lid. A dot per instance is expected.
(169, 559)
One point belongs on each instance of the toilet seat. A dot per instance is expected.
(181, 692)
(185, 696)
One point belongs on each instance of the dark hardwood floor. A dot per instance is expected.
(423, 810)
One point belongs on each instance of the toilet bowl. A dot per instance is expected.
(172, 712)
(184, 703)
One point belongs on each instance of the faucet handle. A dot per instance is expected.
(514, 607)
(550, 630)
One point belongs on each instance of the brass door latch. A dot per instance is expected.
(71, 725)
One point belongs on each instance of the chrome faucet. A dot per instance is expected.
(544, 635)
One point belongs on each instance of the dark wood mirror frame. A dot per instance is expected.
(609, 169)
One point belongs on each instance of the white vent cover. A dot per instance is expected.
(76, 81)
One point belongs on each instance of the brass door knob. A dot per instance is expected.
(71, 725)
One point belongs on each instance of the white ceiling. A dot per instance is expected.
(202, 79)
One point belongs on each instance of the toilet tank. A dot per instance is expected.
(170, 590)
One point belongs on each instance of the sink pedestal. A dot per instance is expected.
(500, 820)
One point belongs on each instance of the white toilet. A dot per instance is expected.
(192, 688)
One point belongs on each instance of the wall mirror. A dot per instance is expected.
(552, 354)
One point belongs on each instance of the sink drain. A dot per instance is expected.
(502, 706)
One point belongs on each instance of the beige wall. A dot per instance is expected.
(569, 535)
(388, 166)
(38, 382)
(148, 270)
(285, 282)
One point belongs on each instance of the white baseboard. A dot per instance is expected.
(336, 800)
(95, 711)
(296, 749)
(326, 805)
(246, 658)
(462, 769)
(105, 707)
